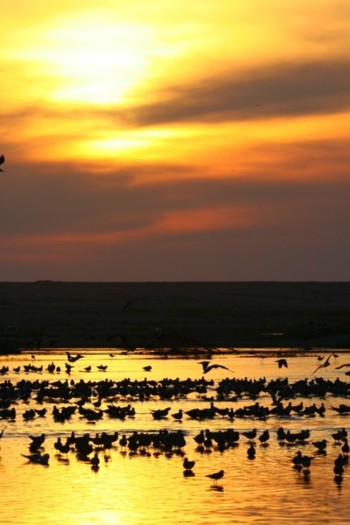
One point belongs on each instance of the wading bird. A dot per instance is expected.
(216, 476)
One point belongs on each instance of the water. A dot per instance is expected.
(150, 488)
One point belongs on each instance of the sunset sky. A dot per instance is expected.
(183, 140)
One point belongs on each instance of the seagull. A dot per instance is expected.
(325, 364)
(2, 160)
(216, 476)
(207, 366)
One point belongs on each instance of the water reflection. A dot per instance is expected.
(148, 485)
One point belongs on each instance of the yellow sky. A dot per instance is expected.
(142, 94)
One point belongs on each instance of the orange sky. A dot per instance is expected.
(191, 141)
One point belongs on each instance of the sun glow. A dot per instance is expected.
(94, 59)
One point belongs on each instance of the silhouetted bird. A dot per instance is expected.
(73, 358)
(2, 160)
(178, 415)
(325, 364)
(207, 366)
(320, 445)
(40, 459)
(187, 464)
(251, 452)
(282, 362)
(216, 476)
(147, 368)
(342, 366)
(264, 437)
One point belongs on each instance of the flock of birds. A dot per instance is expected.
(95, 399)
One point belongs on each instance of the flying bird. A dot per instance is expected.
(282, 362)
(73, 358)
(325, 364)
(342, 366)
(207, 366)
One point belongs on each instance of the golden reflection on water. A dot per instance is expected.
(151, 488)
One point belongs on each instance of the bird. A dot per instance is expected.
(2, 160)
(320, 445)
(160, 413)
(178, 415)
(250, 434)
(342, 366)
(147, 368)
(216, 476)
(264, 437)
(187, 464)
(325, 364)
(73, 358)
(95, 460)
(251, 452)
(282, 362)
(207, 366)
(36, 457)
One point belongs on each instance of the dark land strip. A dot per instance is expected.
(175, 316)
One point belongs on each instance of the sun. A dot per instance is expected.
(95, 59)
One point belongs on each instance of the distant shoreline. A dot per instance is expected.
(174, 315)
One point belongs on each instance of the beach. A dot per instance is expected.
(174, 316)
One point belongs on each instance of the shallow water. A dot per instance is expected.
(150, 488)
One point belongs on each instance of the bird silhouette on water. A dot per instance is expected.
(216, 476)
(188, 466)
(2, 160)
(39, 459)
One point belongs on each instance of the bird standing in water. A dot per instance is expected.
(2, 160)
(216, 476)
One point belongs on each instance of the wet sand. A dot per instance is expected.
(175, 316)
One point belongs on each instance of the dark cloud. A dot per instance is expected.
(278, 90)
(53, 199)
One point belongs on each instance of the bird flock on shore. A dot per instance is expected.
(95, 400)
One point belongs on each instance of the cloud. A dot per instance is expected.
(278, 90)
